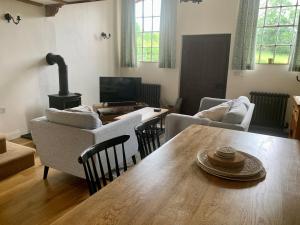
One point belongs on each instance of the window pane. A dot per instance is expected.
(289, 2)
(147, 39)
(156, 23)
(266, 54)
(139, 39)
(139, 25)
(155, 39)
(287, 16)
(147, 29)
(269, 36)
(274, 2)
(147, 8)
(155, 54)
(148, 24)
(263, 3)
(272, 16)
(285, 35)
(282, 54)
(261, 18)
(147, 54)
(139, 9)
(156, 7)
(259, 36)
(139, 54)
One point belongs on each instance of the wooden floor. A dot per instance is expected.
(26, 198)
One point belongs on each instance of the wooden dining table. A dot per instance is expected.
(168, 187)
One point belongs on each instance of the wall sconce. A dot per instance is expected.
(105, 35)
(9, 18)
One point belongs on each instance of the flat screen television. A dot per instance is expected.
(120, 89)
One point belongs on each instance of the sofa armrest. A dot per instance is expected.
(247, 119)
(175, 123)
(207, 103)
(59, 146)
(120, 127)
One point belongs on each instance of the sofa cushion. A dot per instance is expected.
(236, 113)
(83, 120)
(245, 100)
(215, 113)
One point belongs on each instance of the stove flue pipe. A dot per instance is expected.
(62, 70)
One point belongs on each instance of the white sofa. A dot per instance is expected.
(59, 146)
(175, 123)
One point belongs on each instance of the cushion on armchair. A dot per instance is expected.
(237, 111)
(83, 120)
(215, 113)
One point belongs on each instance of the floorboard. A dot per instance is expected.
(26, 198)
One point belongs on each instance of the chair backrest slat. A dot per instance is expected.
(101, 169)
(124, 158)
(96, 173)
(148, 136)
(92, 163)
(108, 166)
(116, 161)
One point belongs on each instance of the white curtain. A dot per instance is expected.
(168, 21)
(245, 40)
(128, 44)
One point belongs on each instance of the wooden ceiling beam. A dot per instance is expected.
(52, 9)
(31, 2)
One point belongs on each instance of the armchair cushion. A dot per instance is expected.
(236, 113)
(82, 120)
(245, 100)
(215, 113)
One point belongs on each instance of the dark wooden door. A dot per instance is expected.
(204, 69)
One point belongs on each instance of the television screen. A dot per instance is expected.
(119, 89)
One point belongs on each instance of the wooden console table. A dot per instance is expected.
(147, 114)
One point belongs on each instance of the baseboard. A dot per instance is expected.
(15, 134)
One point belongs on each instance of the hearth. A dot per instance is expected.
(64, 99)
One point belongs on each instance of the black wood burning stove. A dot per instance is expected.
(64, 99)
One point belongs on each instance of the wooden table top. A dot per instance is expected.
(168, 187)
(147, 114)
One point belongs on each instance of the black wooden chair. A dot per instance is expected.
(92, 162)
(148, 136)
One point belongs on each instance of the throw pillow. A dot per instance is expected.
(236, 113)
(82, 120)
(215, 113)
(245, 100)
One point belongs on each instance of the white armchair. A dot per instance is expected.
(59, 146)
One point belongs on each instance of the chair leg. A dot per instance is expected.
(46, 169)
(134, 159)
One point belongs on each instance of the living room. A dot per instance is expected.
(89, 37)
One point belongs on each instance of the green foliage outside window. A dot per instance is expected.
(276, 30)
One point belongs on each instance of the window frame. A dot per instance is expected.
(294, 26)
(151, 32)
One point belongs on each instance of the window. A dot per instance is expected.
(276, 30)
(147, 30)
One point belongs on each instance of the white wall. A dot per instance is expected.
(26, 80)
(214, 17)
